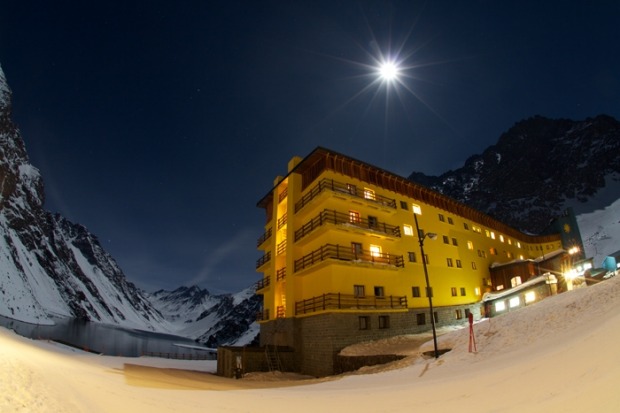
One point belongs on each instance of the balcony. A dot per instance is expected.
(348, 189)
(347, 253)
(340, 218)
(263, 315)
(263, 260)
(281, 274)
(282, 221)
(263, 237)
(264, 283)
(337, 301)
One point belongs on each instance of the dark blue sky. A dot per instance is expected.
(158, 125)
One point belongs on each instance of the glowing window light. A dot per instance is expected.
(416, 209)
(408, 230)
(375, 250)
(530, 296)
(500, 306)
(515, 302)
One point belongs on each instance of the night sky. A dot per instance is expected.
(158, 125)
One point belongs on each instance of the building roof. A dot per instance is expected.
(378, 176)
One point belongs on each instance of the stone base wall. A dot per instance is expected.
(318, 339)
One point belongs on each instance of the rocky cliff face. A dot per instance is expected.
(537, 169)
(48, 265)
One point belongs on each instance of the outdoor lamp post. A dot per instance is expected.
(421, 237)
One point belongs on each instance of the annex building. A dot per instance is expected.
(341, 261)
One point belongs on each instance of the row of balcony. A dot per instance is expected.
(340, 218)
(347, 253)
(338, 301)
(349, 189)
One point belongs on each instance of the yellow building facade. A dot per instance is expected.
(342, 262)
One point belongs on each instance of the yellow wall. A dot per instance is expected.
(340, 277)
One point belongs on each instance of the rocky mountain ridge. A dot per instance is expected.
(537, 169)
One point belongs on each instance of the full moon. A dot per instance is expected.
(388, 71)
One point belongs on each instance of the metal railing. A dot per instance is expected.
(264, 237)
(260, 284)
(347, 253)
(339, 218)
(281, 274)
(263, 260)
(351, 190)
(338, 301)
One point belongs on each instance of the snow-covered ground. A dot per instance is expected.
(559, 355)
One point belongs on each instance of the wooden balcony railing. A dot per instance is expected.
(283, 195)
(263, 260)
(346, 253)
(281, 248)
(282, 221)
(351, 190)
(340, 218)
(281, 274)
(264, 237)
(338, 301)
(263, 315)
(260, 284)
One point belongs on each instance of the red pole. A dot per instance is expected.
(472, 338)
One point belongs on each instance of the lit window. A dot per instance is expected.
(514, 281)
(458, 314)
(518, 244)
(521, 257)
(477, 290)
(500, 306)
(408, 230)
(416, 209)
(487, 233)
(369, 194)
(501, 238)
(375, 250)
(500, 287)
(492, 235)
(354, 216)
(470, 245)
(493, 251)
(509, 241)
(530, 296)
(352, 189)
(514, 302)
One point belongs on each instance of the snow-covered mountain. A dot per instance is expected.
(48, 265)
(537, 169)
(213, 320)
(600, 232)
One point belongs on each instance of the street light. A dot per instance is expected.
(421, 237)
